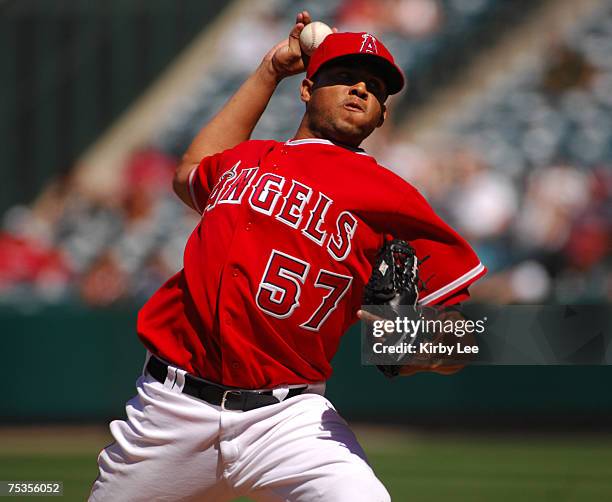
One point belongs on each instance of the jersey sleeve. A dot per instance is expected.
(202, 180)
(448, 264)
(459, 297)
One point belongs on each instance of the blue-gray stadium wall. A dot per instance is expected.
(74, 364)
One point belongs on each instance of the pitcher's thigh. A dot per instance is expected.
(163, 451)
(315, 456)
(338, 484)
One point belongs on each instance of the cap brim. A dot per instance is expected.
(389, 72)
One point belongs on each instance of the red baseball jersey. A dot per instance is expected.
(274, 272)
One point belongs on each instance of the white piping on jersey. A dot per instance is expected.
(294, 142)
(192, 190)
(457, 283)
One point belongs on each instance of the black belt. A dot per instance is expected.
(229, 398)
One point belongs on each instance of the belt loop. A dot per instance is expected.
(281, 393)
(179, 382)
(170, 377)
(147, 357)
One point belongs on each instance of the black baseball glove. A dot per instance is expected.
(394, 279)
(394, 283)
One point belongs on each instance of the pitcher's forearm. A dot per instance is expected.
(235, 122)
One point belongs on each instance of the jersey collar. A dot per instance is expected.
(295, 142)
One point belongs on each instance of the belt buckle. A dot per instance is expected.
(224, 398)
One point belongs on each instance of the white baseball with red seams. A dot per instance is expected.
(312, 35)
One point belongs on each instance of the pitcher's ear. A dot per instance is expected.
(383, 116)
(306, 90)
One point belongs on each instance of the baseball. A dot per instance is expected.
(312, 35)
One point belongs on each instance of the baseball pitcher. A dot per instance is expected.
(231, 400)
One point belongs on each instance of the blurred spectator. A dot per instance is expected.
(481, 202)
(527, 282)
(362, 15)
(553, 198)
(408, 18)
(250, 38)
(430, 171)
(105, 282)
(589, 242)
(155, 271)
(567, 69)
(27, 262)
(151, 170)
(416, 18)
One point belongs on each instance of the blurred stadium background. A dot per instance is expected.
(506, 128)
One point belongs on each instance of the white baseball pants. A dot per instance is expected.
(175, 447)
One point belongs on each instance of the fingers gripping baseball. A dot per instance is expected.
(286, 57)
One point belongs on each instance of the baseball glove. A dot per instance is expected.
(394, 287)
(394, 283)
(394, 279)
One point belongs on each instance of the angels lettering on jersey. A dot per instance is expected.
(288, 201)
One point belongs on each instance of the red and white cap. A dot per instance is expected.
(350, 45)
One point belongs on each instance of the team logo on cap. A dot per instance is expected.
(368, 44)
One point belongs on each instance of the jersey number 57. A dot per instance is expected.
(280, 288)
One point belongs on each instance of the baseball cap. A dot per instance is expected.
(366, 45)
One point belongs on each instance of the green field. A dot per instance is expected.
(413, 466)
